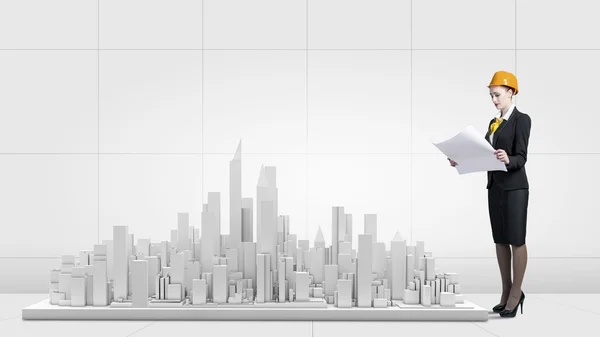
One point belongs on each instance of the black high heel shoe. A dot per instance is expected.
(513, 312)
(499, 307)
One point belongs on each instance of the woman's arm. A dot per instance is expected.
(519, 157)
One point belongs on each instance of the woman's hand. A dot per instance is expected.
(452, 162)
(502, 156)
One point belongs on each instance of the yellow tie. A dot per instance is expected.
(495, 125)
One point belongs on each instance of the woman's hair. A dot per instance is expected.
(509, 89)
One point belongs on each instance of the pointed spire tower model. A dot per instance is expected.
(261, 194)
(319, 239)
(318, 261)
(398, 237)
(235, 201)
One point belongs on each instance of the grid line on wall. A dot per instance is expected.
(98, 102)
(516, 98)
(306, 145)
(265, 153)
(302, 49)
(202, 121)
(410, 141)
(436, 257)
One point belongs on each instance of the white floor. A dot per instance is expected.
(543, 315)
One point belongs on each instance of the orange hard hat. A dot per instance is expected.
(505, 78)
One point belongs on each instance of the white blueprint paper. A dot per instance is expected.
(471, 152)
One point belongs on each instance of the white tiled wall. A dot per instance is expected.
(150, 101)
(49, 204)
(561, 87)
(256, 24)
(557, 24)
(358, 101)
(150, 24)
(127, 112)
(463, 24)
(358, 24)
(258, 96)
(55, 24)
(49, 101)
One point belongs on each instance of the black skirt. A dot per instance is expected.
(508, 214)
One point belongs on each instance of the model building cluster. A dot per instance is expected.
(275, 270)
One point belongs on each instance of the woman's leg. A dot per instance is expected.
(519, 266)
(518, 203)
(504, 262)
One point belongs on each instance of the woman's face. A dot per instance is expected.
(501, 96)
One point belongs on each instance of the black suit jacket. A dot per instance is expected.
(513, 137)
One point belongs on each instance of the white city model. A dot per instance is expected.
(221, 277)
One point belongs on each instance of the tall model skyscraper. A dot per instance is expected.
(235, 202)
(211, 231)
(266, 196)
(183, 232)
(365, 269)
(121, 263)
(338, 232)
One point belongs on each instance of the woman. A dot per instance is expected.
(508, 192)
